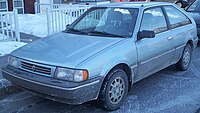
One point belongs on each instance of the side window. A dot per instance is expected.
(153, 20)
(176, 18)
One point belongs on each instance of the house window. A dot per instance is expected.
(19, 5)
(58, 1)
(3, 5)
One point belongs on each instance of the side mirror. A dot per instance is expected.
(67, 26)
(146, 34)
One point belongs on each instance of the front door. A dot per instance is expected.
(154, 53)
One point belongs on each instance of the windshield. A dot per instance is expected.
(110, 22)
(195, 7)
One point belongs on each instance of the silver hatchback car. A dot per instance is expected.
(105, 51)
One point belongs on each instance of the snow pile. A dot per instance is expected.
(8, 47)
(34, 24)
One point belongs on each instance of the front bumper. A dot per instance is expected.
(51, 88)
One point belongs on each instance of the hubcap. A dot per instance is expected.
(186, 57)
(116, 90)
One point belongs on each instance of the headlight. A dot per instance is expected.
(71, 74)
(13, 61)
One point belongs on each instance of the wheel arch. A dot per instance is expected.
(126, 68)
(190, 42)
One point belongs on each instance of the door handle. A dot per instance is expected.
(170, 38)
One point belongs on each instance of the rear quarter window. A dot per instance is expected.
(176, 17)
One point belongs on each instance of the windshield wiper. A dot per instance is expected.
(105, 34)
(75, 31)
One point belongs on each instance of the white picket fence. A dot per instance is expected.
(9, 26)
(42, 7)
(60, 15)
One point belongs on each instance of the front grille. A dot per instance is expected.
(35, 68)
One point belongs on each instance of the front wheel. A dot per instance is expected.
(185, 60)
(114, 89)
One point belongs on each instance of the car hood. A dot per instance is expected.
(63, 49)
(196, 16)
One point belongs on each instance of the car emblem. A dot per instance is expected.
(33, 68)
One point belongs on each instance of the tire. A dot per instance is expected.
(114, 90)
(185, 59)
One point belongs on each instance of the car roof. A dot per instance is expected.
(133, 4)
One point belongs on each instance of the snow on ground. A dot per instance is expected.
(8, 47)
(3, 37)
